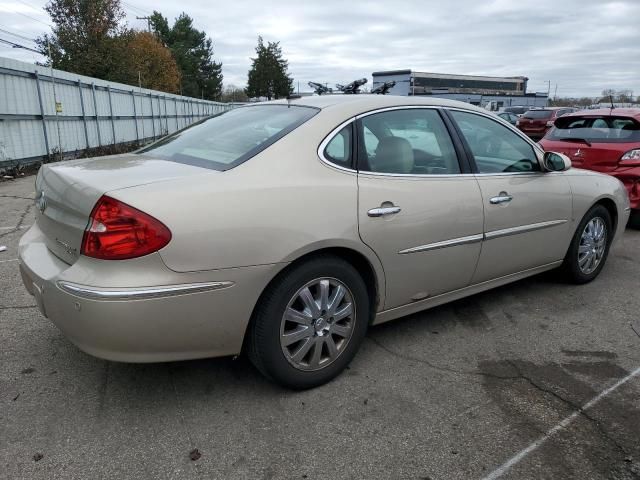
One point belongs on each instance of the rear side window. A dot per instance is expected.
(604, 129)
(495, 148)
(338, 150)
(230, 138)
(537, 114)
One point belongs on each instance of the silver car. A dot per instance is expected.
(284, 229)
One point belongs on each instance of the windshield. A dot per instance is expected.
(596, 129)
(230, 138)
(536, 114)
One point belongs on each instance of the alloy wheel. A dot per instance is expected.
(317, 324)
(593, 242)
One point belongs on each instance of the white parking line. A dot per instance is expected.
(12, 260)
(502, 469)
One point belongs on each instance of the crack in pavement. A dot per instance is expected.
(440, 368)
(23, 215)
(572, 405)
(520, 376)
(17, 197)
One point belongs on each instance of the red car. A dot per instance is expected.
(605, 140)
(536, 123)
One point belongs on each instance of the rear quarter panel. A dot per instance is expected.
(274, 208)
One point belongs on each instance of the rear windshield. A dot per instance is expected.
(537, 114)
(596, 129)
(516, 110)
(230, 138)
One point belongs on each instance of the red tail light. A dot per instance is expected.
(118, 231)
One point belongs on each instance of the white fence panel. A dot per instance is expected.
(91, 113)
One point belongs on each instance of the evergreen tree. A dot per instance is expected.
(268, 76)
(193, 52)
(86, 36)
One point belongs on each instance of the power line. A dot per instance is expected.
(17, 35)
(133, 7)
(39, 10)
(17, 45)
(34, 19)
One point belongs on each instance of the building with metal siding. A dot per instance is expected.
(496, 92)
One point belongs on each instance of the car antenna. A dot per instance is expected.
(611, 100)
(292, 97)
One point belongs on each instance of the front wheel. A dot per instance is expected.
(310, 323)
(590, 246)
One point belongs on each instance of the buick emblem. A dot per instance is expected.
(41, 202)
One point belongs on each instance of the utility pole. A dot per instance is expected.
(148, 19)
(55, 100)
(555, 93)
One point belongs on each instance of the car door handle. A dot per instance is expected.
(382, 211)
(503, 197)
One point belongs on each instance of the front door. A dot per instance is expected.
(415, 210)
(527, 212)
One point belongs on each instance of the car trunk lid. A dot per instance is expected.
(67, 192)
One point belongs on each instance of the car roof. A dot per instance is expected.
(607, 112)
(354, 104)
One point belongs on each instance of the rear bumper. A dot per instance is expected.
(630, 178)
(175, 317)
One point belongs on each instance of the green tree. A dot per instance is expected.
(193, 51)
(268, 76)
(87, 37)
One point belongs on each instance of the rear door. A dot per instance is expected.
(417, 208)
(527, 212)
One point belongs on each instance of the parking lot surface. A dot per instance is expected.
(486, 387)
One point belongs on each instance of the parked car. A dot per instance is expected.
(265, 230)
(512, 118)
(536, 123)
(605, 140)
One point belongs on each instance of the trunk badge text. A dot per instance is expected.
(67, 248)
(41, 202)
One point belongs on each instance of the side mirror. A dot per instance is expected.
(556, 162)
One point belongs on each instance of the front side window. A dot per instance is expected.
(495, 148)
(407, 141)
(230, 138)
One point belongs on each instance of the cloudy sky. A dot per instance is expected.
(582, 46)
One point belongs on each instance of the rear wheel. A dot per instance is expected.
(590, 246)
(310, 323)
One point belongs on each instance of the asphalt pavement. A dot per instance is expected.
(534, 380)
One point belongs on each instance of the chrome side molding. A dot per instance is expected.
(444, 244)
(480, 237)
(95, 293)
(505, 232)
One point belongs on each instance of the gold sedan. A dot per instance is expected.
(284, 229)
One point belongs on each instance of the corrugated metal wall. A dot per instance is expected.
(94, 113)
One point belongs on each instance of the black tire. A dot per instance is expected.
(634, 219)
(264, 347)
(571, 266)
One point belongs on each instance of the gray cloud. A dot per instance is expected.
(583, 46)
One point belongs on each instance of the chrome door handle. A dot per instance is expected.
(382, 211)
(503, 197)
